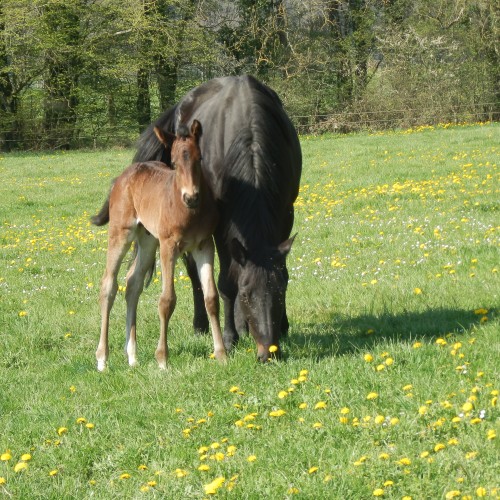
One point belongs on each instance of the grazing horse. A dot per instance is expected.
(252, 161)
(153, 205)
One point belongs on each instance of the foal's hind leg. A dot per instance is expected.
(204, 258)
(144, 260)
(119, 241)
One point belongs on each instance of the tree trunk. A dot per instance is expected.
(143, 103)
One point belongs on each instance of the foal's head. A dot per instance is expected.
(186, 161)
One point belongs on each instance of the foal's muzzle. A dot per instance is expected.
(191, 200)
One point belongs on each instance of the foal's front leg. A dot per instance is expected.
(166, 305)
(204, 258)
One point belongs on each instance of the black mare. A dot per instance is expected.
(252, 161)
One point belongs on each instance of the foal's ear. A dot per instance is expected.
(164, 137)
(238, 252)
(196, 129)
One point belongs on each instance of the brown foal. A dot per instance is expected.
(153, 205)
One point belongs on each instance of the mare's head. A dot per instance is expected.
(262, 281)
(185, 160)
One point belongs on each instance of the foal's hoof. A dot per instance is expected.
(101, 365)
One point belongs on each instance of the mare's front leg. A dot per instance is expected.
(228, 291)
(200, 319)
(166, 305)
(144, 261)
(204, 258)
(240, 322)
(119, 241)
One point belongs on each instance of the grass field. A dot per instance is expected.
(390, 381)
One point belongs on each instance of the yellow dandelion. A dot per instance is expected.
(417, 345)
(404, 461)
(273, 348)
(389, 483)
(372, 396)
(277, 413)
(344, 411)
(417, 291)
(234, 388)
(2, 480)
(303, 406)
(282, 394)
(180, 473)
(21, 314)
(468, 406)
(62, 430)
(81, 420)
(293, 491)
(368, 357)
(394, 421)
(317, 425)
(303, 373)
(26, 457)
(5, 457)
(384, 456)
(491, 434)
(20, 466)
(53, 472)
(312, 470)
(378, 492)
(481, 492)
(204, 467)
(320, 405)
(481, 311)
(452, 494)
(211, 488)
(251, 458)
(389, 361)
(439, 447)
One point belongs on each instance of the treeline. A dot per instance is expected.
(96, 72)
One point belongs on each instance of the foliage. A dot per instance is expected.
(389, 386)
(86, 73)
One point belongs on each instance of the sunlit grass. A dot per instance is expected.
(389, 387)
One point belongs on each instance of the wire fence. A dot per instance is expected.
(89, 131)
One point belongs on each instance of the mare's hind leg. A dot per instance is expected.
(119, 241)
(204, 258)
(200, 319)
(144, 261)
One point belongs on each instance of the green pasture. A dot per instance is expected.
(390, 381)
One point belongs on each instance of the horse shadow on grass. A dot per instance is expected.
(342, 335)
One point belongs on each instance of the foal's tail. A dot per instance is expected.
(102, 218)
